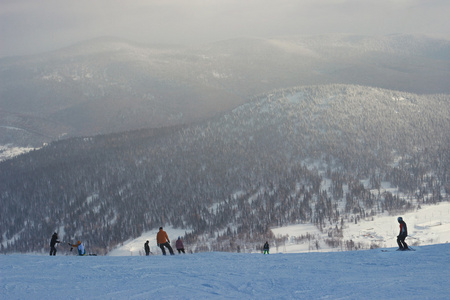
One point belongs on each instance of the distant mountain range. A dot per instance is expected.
(108, 85)
(315, 154)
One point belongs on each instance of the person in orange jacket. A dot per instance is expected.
(80, 247)
(163, 241)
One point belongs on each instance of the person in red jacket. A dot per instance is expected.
(163, 241)
(402, 235)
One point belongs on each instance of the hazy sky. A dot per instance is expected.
(31, 26)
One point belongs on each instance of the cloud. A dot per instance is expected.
(28, 26)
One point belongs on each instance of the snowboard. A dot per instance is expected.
(409, 249)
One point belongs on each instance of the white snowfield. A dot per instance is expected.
(287, 273)
(426, 226)
(368, 274)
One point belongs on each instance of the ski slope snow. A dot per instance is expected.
(367, 274)
(426, 226)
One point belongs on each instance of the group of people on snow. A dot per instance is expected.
(54, 240)
(163, 242)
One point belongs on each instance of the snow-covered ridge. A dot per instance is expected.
(126, 86)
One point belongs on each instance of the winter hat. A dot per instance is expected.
(399, 219)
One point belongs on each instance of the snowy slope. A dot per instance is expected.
(426, 226)
(370, 274)
(9, 151)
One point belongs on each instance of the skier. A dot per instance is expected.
(163, 241)
(147, 248)
(402, 235)
(266, 248)
(180, 246)
(53, 242)
(80, 248)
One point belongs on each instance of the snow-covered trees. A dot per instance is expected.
(317, 154)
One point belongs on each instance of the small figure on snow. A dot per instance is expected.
(266, 248)
(80, 247)
(53, 243)
(163, 241)
(402, 235)
(147, 248)
(180, 246)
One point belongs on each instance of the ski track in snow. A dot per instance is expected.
(370, 274)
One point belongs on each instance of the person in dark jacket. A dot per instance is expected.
(266, 248)
(147, 248)
(402, 235)
(53, 243)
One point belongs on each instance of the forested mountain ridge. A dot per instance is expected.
(290, 156)
(110, 85)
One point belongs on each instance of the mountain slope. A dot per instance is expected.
(341, 275)
(292, 156)
(109, 85)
